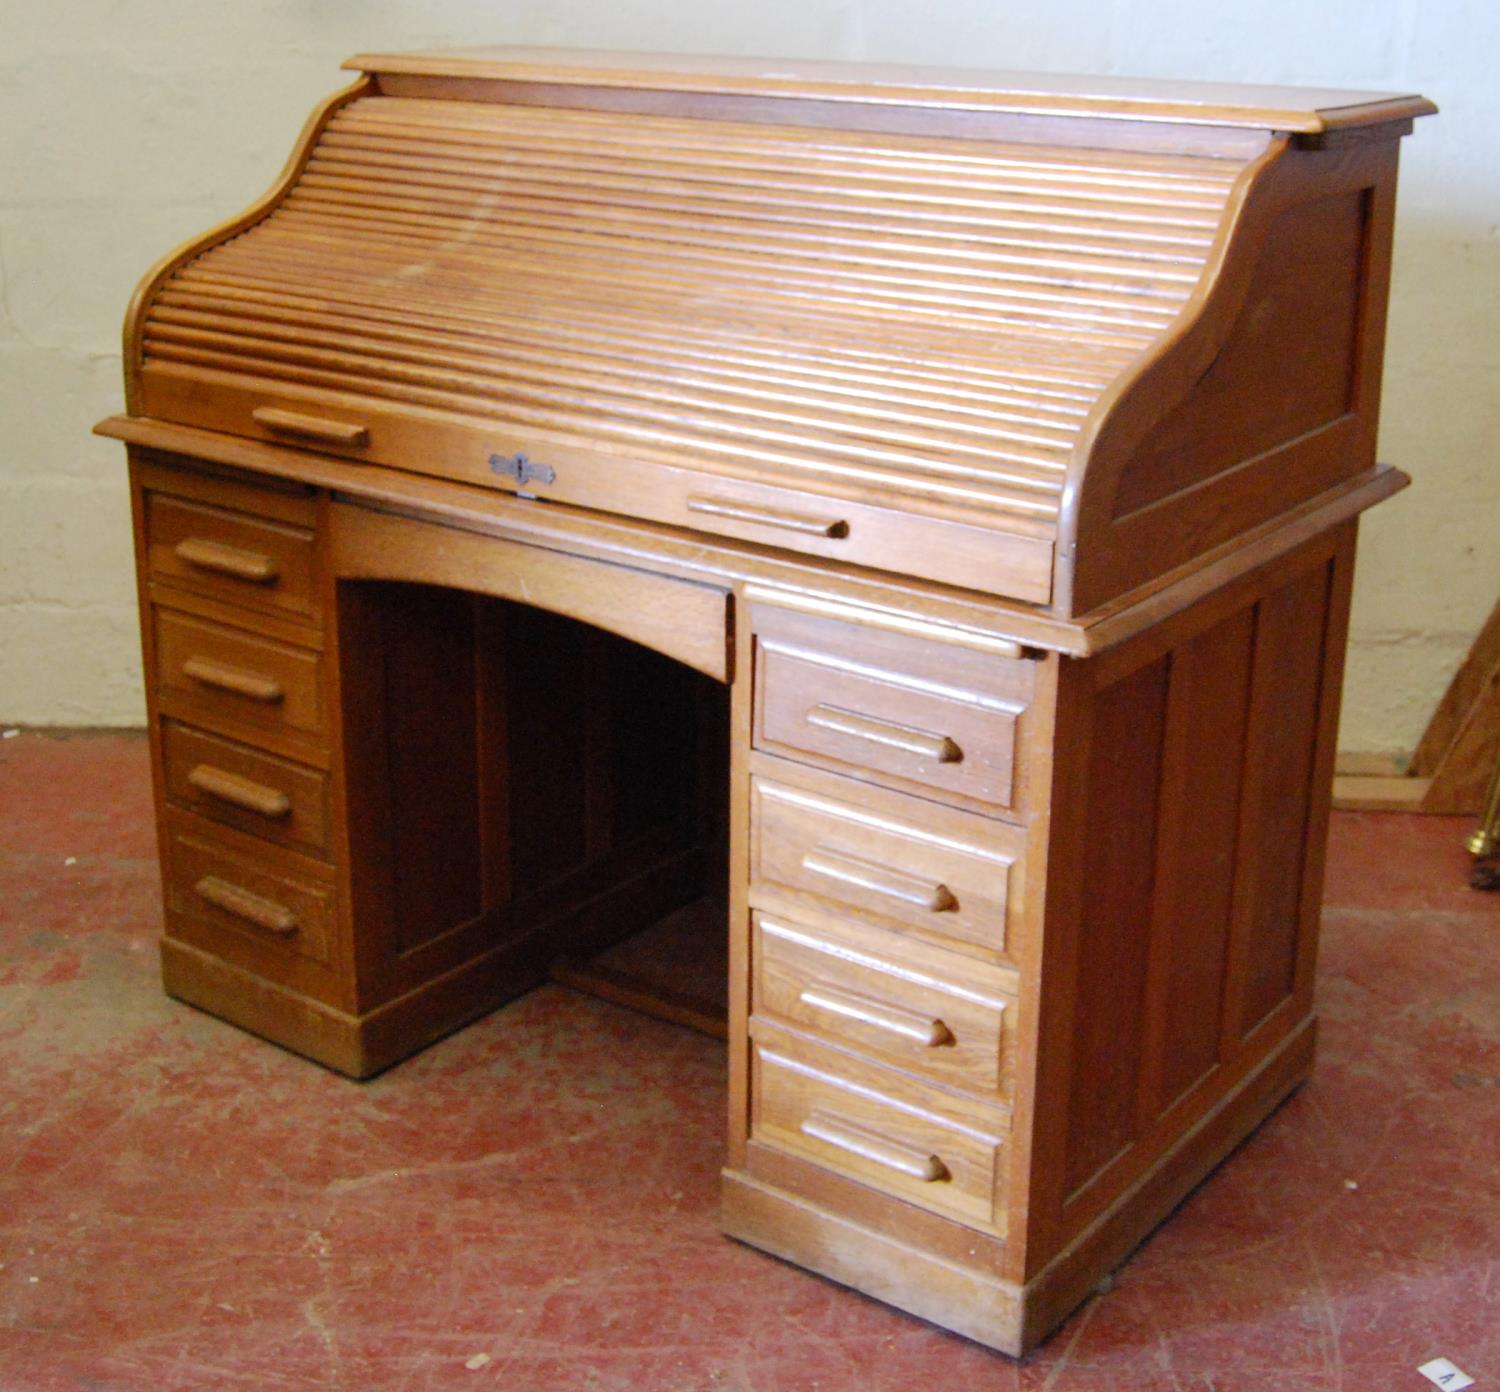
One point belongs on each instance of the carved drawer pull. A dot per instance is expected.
(235, 899)
(769, 517)
(256, 685)
(301, 427)
(870, 1145)
(230, 787)
(909, 1024)
(940, 749)
(226, 560)
(880, 879)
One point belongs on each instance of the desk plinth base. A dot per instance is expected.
(977, 1304)
(359, 1046)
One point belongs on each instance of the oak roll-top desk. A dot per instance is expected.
(960, 469)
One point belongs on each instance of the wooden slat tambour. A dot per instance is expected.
(900, 320)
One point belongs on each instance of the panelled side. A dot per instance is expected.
(1183, 903)
(1267, 392)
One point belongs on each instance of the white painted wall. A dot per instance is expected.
(128, 125)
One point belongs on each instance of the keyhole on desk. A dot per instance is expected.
(522, 469)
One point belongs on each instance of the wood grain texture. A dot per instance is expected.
(159, 273)
(854, 985)
(883, 602)
(918, 868)
(240, 559)
(961, 1290)
(935, 1149)
(1277, 798)
(1459, 699)
(1162, 474)
(489, 812)
(1463, 778)
(216, 888)
(231, 680)
(1181, 929)
(1119, 832)
(300, 819)
(1450, 770)
(687, 622)
(1201, 764)
(921, 717)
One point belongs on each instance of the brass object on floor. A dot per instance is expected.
(1484, 844)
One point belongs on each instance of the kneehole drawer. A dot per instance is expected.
(221, 898)
(244, 788)
(904, 1141)
(899, 862)
(947, 1018)
(227, 674)
(230, 556)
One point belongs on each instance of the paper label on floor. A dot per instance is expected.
(1443, 1374)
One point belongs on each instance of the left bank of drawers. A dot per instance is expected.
(234, 616)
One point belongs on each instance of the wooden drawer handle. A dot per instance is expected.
(880, 879)
(870, 1145)
(909, 1024)
(235, 899)
(230, 787)
(301, 427)
(769, 517)
(256, 685)
(226, 560)
(940, 749)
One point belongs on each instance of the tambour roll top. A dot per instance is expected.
(977, 331)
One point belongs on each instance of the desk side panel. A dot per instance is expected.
(1190, 813)
(1267, 392)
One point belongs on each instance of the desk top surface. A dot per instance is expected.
(1293, 109)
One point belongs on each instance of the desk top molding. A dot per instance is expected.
(1258, 106)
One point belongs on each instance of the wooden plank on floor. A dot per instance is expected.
(1356, 793)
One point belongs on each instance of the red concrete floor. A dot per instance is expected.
(531, 1203)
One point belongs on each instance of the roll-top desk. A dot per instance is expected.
(960, 470)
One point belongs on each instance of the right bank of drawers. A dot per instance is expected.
(886, 856)
(236, 637)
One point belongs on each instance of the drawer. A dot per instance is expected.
(240, 907)
(879, 1129)
(944, 1017)
(900, 862)
(924, 717)
(246, 789)
(219, 674)
(244, 560)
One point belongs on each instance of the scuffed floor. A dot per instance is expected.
(531, 1203)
